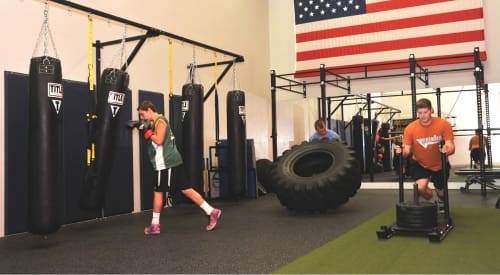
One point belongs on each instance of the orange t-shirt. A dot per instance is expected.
(474, 142)
(425, 141)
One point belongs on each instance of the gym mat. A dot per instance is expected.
(471, 247)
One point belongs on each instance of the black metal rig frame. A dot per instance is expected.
(153, 32)
(416, 72)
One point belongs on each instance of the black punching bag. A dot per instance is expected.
(110, 99)
(44, 181)
(384, 132)
(236, 142)
(357, 139)
(192, 134)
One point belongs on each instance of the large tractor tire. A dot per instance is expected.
(316, 176)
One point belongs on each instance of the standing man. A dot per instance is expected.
(164, 156)
(322, 132)
(477, 153)
(422, 137)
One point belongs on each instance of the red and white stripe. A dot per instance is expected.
(389, 32)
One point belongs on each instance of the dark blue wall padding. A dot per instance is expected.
(45, 210)
(147, 173)
(16, 152)
(236, 139)
(192, 134)
(110, 104)
(75, 133)
(74, 141)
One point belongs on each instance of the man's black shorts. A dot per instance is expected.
(435, 177)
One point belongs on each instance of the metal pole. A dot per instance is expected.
(274, 132)
(99, 13)
(322, 79)
(401, 177)
(438, 98)
(97, 69)
(479, 76)
(370, 139)
(413, 86)
(488, 125)
(445, 186)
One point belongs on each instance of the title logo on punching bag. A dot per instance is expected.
(242, 112)
(55, 91)
(184, 108)
(115, 100)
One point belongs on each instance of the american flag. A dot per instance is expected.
(347, 35)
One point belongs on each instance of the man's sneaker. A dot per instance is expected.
(153, 229)
(440, 205)
(214, 216)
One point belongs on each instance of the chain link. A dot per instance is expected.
(123, 59)
(121, 53)
(45, 29)
(45, 34)
(192, 72)
(235, 81)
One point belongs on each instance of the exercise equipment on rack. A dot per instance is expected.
(45, 208)
(419, 218)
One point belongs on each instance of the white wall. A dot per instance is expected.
(282, 48)
(236, 26)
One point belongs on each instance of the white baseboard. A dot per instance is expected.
(409, 185)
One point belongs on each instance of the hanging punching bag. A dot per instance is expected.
(44, 181)
(236, 142)
(357, 140)
(110, 99)
(369, 142)
(384, 132)
(192, 133)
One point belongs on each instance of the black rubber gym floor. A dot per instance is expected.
(253, 236)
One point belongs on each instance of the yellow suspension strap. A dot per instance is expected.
(90, 117)
(90, 56)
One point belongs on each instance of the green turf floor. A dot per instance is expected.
(472, 247)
